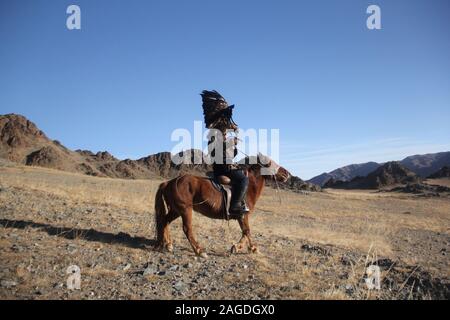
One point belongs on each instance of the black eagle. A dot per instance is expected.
(218, 114)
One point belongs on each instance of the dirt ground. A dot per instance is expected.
(313, 245)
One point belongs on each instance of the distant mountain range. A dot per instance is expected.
(22, 142)
(346, 173)
(387, 175)
(422, 165)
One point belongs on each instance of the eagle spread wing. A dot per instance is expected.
(217, 112)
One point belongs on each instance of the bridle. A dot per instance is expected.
(272, 174)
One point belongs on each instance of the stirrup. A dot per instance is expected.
(236, 215)
(239, 211)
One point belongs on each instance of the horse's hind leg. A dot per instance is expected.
(187, 228)
(167, 240)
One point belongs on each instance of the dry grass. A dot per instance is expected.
(371, 224)
(353, 219)
(442, 181)
(136, 195)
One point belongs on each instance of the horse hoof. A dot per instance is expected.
(169, 247)
(203, 255)
(254, 249)
(234, 249)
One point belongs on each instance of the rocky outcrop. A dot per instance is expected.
(297, 184)
(19, 137)
(444, 172)
(45, 157)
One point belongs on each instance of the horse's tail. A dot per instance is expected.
(160, 213)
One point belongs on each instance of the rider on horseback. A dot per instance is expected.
(224, 167)
(218, 116)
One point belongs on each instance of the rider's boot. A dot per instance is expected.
(238, 206)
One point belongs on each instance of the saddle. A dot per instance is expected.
(223, 185)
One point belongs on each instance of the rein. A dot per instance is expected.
(273, 175)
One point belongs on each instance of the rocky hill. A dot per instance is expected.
(426, 164)
(22, 142)
(295, 183)
(444, 172)
(388, 175)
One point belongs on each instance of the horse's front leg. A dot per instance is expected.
(245, 227)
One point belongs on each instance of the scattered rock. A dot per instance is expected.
(383, 263)
(348, 288)
(179, 285)
(150, 270)
(174, 268)
(8, 284)
(346, 261)
(16, 248)
(423, 189)
(204, 273)
(316, 249)
(127, 267)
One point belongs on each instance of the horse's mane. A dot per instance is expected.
(255, 163)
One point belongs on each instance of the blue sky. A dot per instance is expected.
(338, 92)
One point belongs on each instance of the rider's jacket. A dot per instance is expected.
(225, 150)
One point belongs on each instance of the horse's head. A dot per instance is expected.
(269, 168)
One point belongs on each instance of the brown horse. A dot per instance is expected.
(179, 196)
